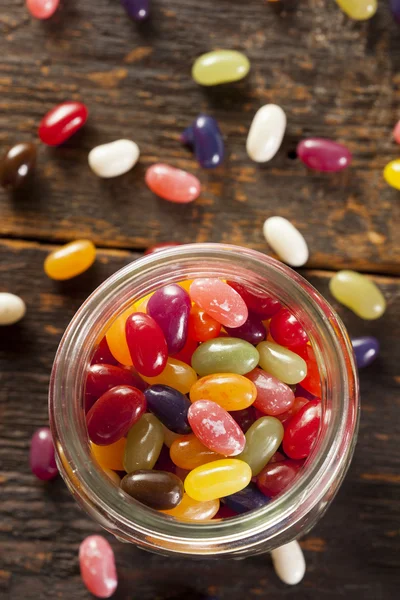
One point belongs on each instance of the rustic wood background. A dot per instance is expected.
(334, 78)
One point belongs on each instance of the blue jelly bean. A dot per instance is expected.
(170, 406)
(366, 349)
(253, 330)
(187, 137)
(395, 8)
(250, 498)
(170, 308)
(139, 10)
(205, 137)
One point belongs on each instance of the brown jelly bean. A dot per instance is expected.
(157, 489)
(17, 164)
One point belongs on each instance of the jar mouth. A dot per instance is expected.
(322, 473)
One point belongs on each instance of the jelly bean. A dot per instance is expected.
(185, 355)
(273, 396)
(287, 331)
(206, 138)
(159, 247)
(302, 431)
(231, 391)
(164, 462)
(297, 405)
(282, 363)
(156, 489)
(395, 8)
(112, 416)
(253, 330)
(42, 9)
(144, 443)
(170, 436)
(172, 184)
(220, 301)
(115, 478)
(188, 453)
(170, 306)
(176, 374)
(217, 479)
(360, 10)
(244, 418)
(289, 563)
(257, 302)
(97, 564)
(312, 381)
(101, 378)
(225, 512)
(170, 406)
(366, 349)
(266, 133)
(113, 159)
(358, 293)
(276, 477)
(102, 354)
(41, 456)
(17, 165)
(215, 428)
(286, 241)
(202, 327)
(277, 457)
(70, 260)
(324, 155)
(301, 392)
(61, 122)
(139, 10)
(250, 498)
(116, 338)
(263, 439)
(12, 308)
(391, 174)
(147, 345)
(181, 473)
(194, 511)
(110, 457)
(225, 355)
(220, 66)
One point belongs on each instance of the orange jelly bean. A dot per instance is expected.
(116, 338)
(188, 452)
(110, 457)
(231, 391)
(70, 260)
(176, 374)
(202, 327)
(192, 510)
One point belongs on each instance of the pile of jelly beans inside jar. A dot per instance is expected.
(204, 397)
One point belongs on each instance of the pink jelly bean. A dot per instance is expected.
(215, 428)
(396, 132)
(273, 396)
(322, 154)
(220, 301)
(97, 564)
(172, 184)
(42, 9)
(41, 456)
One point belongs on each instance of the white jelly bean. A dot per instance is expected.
(12, 308)
(289, 563)
(266, 133)
(116, 158)
(286, 241)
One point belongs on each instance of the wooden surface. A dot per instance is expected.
(334, 78)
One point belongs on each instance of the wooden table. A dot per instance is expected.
(334, 78)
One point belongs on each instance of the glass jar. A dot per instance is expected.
(288, 516)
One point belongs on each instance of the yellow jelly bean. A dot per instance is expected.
(176, 374)
(110, 457)
(116, 338)
(220, 66)
(141, 305)
(360, 10)
(391, 174)
(217, 479)
(231, 391)
(192, 510)
(186, 284)
(358, 293)
(115, 478)
(187, 452)
(70, 260)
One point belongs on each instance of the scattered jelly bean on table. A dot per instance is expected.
(366, 350)
(220, 66)
(391, 174)
(42, 456)
(193, 510)
(103, 377)
(263, 439)
(286, 241)
(395, 8)
(220, 301)
(12, 308)
(229, 390)
(110, 456)
(225, 355)
(282, 363)
(42, 9)
(289, 563)
(215, 428)
(250, 498)
(273, 396)
(146, 343)
(176, 374)
(113, 159)
(202, 327)
(143, 444)
(359, 293)
(276, 477)
(170, 307)
(159, 247)
(359, 10)
(257, 302)
(170, 406)
(217, 479)
(97, 564)
(172, 184)
(17, 165)
(61, 122)
(253, 330)
(70, 260)
(301, 431)
(139, 10)
(205, 137)
(157, 489)
(287, 331)
(188, 453)
(322, 154)
(266, 133)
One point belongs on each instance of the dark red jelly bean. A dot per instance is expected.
(258, 302)
(157, 489)
(170, 406)
(225, 512)
(42, 456)
(276, 477)
(302, 431)
(159, 247)
(101, 378)
(287, 331)
(301, 392)
(170, 308)
(112, 416)
(250, 498)
(273, 396)
(312, 381)
(253, 330)
(244, 418)
(185, 355)
(164, 461)
(103, 354)
(277, 457)
(61, 122)
(147, 344)
(296, 406)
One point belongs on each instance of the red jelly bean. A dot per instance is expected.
(297, 405)
(287, 331)
(146, 343)
(220, 301)
(42, 9)
(258, 302)
(202, 327)
(112, 416)
(273, 396)
(61, 122)
(97, 564)
(101, 378)
(103, 354)
(302, 431)
(277, 457)
(41, 456)
(312, 381)
(185, 355)
(215, 428)
(159, 247)
(275, 477)
(172, 184)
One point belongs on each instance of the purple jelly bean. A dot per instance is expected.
(205, 137)
(187, 137)
(41, 456)
(170, 308)
(250, 498)
(395, 8)
(245, 417)
(322, 154)
(170, 406)
(253, 330)
(366, 349)
(139, 10)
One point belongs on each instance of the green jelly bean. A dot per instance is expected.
(281, 363)
(263, 439)
(144, 443)
(220, 66)
(358, 293)
(225, 355)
